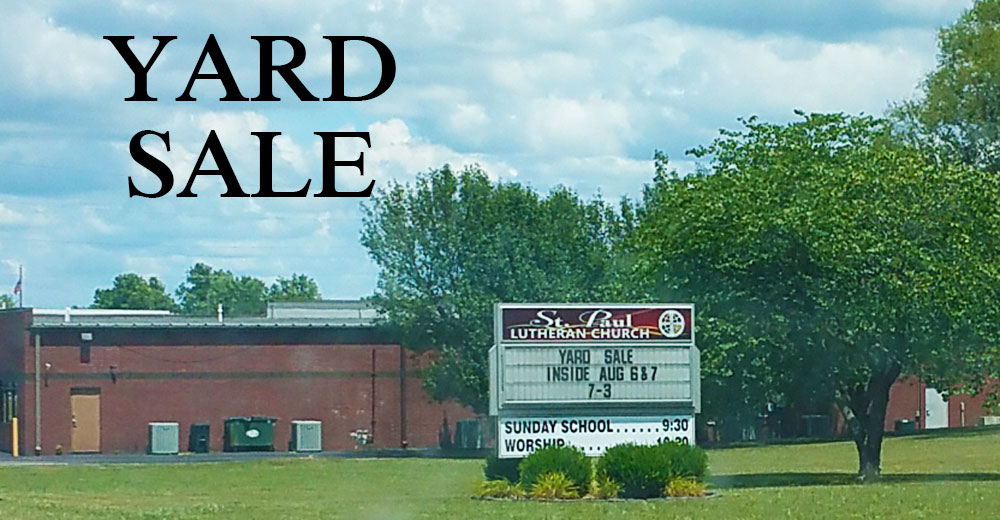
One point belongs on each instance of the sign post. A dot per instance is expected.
(593, 376)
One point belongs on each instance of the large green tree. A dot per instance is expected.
(958, 114)
(298, 288)
(827, 258)
(131, 291)
(206, 288)
(452, 245)
(7, 301)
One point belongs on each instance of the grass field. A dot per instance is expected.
(954, 476)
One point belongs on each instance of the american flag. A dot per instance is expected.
(17, 288)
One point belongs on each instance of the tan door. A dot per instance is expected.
(86, 436)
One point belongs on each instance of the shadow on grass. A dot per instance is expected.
(760, 480)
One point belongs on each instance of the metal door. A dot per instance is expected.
(86, 421)
(935, 409)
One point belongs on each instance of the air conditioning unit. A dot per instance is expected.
(989, 420)
(163, 438)
(307, 436)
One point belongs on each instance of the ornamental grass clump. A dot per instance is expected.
(554, 485)
(685, 487)
(604, 488)
(500, 489)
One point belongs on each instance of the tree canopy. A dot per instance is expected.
(959, 112)
(451, 245)
(206, 288)
(202, 292)
(132, 291)
(298, 288)
(826, 258)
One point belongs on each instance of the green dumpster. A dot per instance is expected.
(906, 427)
(249, 434)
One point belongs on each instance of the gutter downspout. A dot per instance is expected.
(372, 433)
(403, 441)
(38, 394)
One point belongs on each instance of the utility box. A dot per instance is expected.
(198, 438)
(163, 438)
(818, 426)
(468, 434)
(249, 434)
(306, 436)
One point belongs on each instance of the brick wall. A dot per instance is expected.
(140, 382)
(13, 337)
(906, 399)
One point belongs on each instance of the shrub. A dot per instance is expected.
(638, 469)
(604, 488)
(686, 461)
(497, 469)
(643, 471)
(684, 487)
(499, 489)
(554, 485)
(567, 460)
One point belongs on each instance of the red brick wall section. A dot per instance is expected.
(906, 399)
(192, 384)
(974, 409)
(13, 339)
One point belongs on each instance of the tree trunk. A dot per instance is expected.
(865, 413)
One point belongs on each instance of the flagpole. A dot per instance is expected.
(20, 282)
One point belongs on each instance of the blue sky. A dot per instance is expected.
(571, 92)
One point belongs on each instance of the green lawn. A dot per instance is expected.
(955, 476)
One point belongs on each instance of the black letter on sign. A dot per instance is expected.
(329, 187)
(222, 162)
(265, 169)
(138, 69)
(285, 71)
(222, 73)
(337, 68)
(151, 163)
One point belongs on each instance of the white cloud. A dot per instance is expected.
(154, 9)
(290, 152)
(561, 126)
(92, 220)
(58, 61)
(468, 119)
(9, 216)
(396, 153)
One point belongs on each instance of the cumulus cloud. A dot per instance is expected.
(578, 92)
(399, 155)
(58, 61)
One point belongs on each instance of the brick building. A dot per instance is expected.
(88, 380)
(909, 398)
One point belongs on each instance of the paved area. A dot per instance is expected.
(137, 458)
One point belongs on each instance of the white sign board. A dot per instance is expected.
(593, 376)
(520, 436)
(596, 374)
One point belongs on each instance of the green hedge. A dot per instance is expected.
(567, 460)
(643, 471)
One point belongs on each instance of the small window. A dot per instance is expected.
(85, 352)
